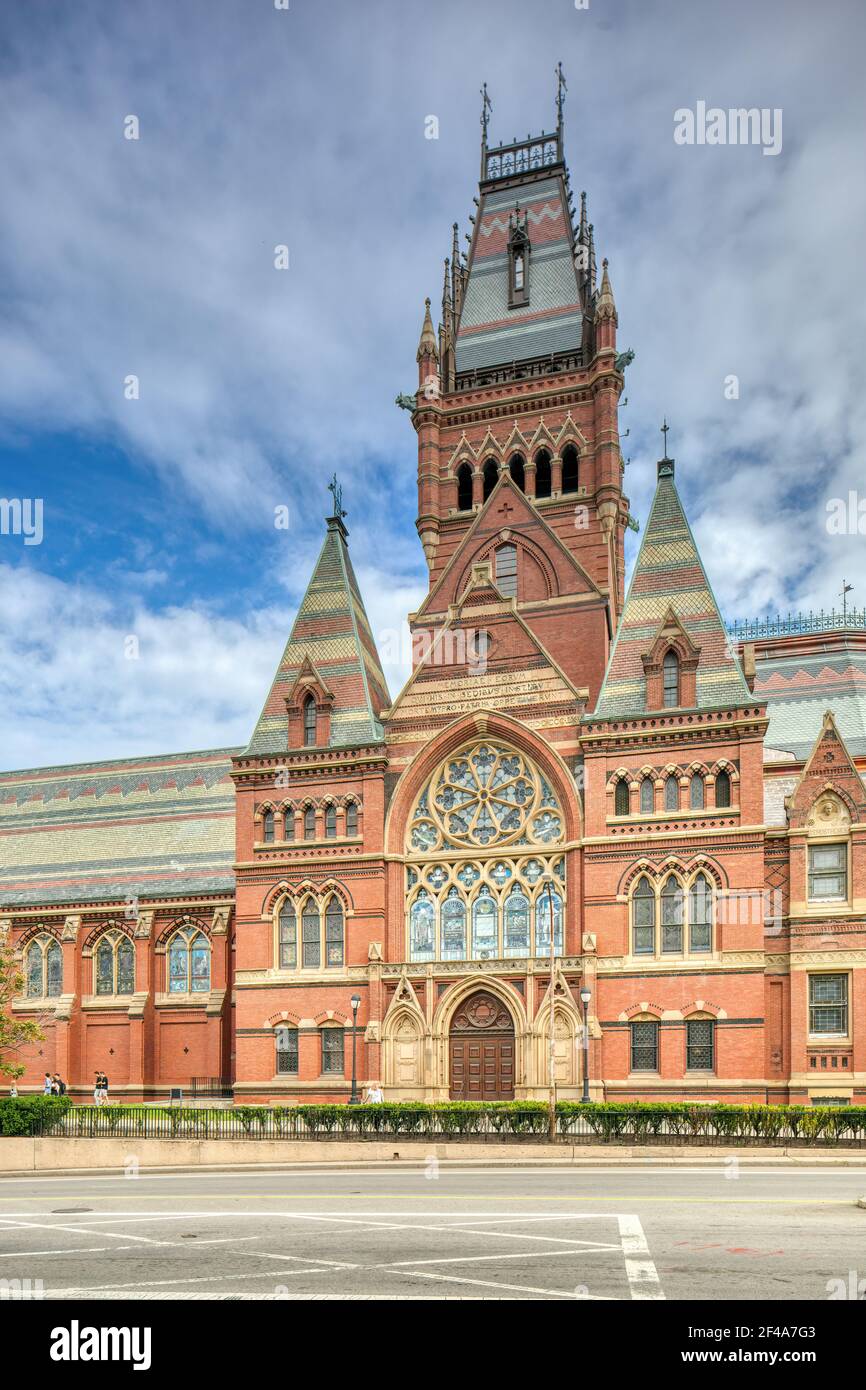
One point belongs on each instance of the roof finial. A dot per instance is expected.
(486, 108)
(846, 589)
(664, 430)
(561, 89)
(335, 488)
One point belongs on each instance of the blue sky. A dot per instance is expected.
(306, 127)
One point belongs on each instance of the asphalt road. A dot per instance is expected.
(438, 1231)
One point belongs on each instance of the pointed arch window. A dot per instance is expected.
(422, 927)
(289, 825)
(352, 818)
(464, 488)
(542, 924)
(700, 915)
(517, 471)
(268, 827)
(696, 792)
(723, 788)
(309, 822)
(310, 722)
(671, 680)
(569, 468)
(672, 916)
(643, 917)
(453, 926)
(621, 798)
(672, 793)
(311, 935)
(189, 963)
(334, 941)
(330, 822)
(543, 482)
(288, 936)
(114, 965)
(647, 796)
(516, 922)
(506, 570)
(43, 968)
(485, 926)
(491, 477)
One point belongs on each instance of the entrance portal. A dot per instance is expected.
(482, 1050)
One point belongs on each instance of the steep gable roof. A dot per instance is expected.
(669, 575)
(332, 631)
(490, 332)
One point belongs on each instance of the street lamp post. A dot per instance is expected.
(356, 1004)
(551, 1049)
(585, 996)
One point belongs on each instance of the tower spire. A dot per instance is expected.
(456, 276)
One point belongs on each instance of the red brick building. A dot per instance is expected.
(681, 805)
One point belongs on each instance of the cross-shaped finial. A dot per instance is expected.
(664, 430)
(845, 591)
(335, 488)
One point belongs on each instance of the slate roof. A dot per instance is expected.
(799, 688)
(669, 573)
(153, 828)
(333, 630)
(490, 333)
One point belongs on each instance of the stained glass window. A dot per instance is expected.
(645, 1045)
(54, 962)
(517, 922)
(334, 932)
(311, 936)
(422, 927)
(288, 943)
(696, 792)
(268, 827)
(332, 1051)
(189, 963)
(104, 968)
(542, 924)
(351, 819)
(34, 970)
(309, 823)
(200, 964)
(125, 967)
(672, 916)
(723, 789)
(700, 915)
(453, 917)
(647, 796)
(700, 1044)
(330, 822)
(672, 794)
(289, 825)
(178, 966)
(486, 795)
(620, 798)
(485, 926)
(643, 917)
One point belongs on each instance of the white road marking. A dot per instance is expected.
(192, 1279)
(481, 1259)
(516, 1288)
(639, 1267)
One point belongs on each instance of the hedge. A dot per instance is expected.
(26, 1115)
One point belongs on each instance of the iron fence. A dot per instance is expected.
(574, 1126)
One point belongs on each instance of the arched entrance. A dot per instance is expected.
(481, 1049)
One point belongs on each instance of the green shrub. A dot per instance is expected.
(26, 1115)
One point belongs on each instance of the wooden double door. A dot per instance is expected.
(481, 1050)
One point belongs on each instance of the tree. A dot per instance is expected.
(14, 1032)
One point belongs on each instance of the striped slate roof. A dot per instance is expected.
(669, 574)
(490, 333)
(152, 828)
(333, 630)
(799, 688)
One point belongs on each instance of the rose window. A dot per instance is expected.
(485, 796)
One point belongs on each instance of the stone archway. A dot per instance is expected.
(481, 1049)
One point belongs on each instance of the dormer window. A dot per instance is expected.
(518, 260)
(671, 680)
(309, 722)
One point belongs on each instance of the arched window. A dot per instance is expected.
(696, 792)
(453, 918)
(287, 1051)
(542, 923)
(569, 468)
(188, 962)
(334, 931)
(671, 680)
(309, 822)
(672, 793)
(723, 788)
(352, 818)
(643, 918)
(491, 477)
(672, 916)
(506, 570)
(464, 488)
(647, 796)
(330, 822)
(542, 473)
(310, 722)
(519, 271)
(115, 965)
(516, 922)
(288, 936)
(422, 927)
(621, 798)
(485, 926)
(311, 935)
(517, 471)
(700, 915)
(289, 825)
(43, 968)
(268, 827)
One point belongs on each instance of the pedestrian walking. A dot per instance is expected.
(46, 1085)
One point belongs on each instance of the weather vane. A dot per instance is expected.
(336, 489)
(846, 589)
(664, 430)
(486, 108)
(561, 89)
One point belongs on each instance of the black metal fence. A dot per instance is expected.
(211, 1088)
(575, 1125)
